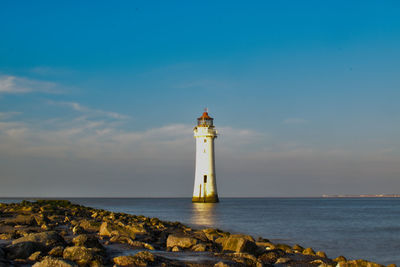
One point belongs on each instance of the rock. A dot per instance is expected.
(180, 241)
(45, 227)
(282, 260)
(283, 247)
(125, 261)
(54, 262)
(271, 256)
(308, 251)
(82, 255)
(56, 251)
(201, 247)
(320, 263)
(36, 256)
(240, 243)
(265, 245)
(340, 258)
(143, 258)
(22, 250)
(88, 241)
(77, 230)
(298, 248)
(41, 219)
(212, 234)
(244, 258)
(133, 243)
(21, 220)
(7, 236)
(221, 264)
(89, 225)
(176, 249)
(108, 229)
(359, 263)
(136, 228)
(391, 265)
(48, 239)
(141, 245)
(321, 254)
(2, 254)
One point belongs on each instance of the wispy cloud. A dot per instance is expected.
(86, 110)
(294, 121)
(8, 114)
(18, 85)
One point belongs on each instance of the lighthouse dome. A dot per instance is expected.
(205, 120)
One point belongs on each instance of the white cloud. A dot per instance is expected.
(294, 121)
(17, 85)
(9, 114)
(94, 112)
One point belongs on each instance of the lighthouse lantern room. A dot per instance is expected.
(205, 185)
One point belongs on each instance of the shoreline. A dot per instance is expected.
(48, 232)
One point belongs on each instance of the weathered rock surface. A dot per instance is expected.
(48, 239)
(54, 262)
(181, 241)
(240, 243)
(89, 241)
(143, 258)
(21, 220)
(83, 256)
(23, 250)
(272, 256)
(110, 229)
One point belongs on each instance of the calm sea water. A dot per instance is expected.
(367, 228)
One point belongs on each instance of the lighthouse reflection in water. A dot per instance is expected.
(204, 214)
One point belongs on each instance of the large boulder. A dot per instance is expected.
(136, 228)
(212, 234)
(88, 241)
(21, 220)
(308, 251)
(110, 229)
(55, 262)
(48, 239)
(83, 255)
(240, 243)
(143, 258)
(181, 241)
(23, 250)
(89, 225)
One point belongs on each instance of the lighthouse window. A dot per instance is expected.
(205, 178)
(205, 140)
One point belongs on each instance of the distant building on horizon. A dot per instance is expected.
(205, 184)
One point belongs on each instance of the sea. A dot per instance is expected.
(357, 228)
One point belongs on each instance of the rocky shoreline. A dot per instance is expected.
(60, 233)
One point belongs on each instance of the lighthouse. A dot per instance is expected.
(205, 184)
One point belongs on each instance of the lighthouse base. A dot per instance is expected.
(209, 199)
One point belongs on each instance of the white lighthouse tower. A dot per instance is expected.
(205, 184)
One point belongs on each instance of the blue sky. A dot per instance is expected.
(99, 98)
